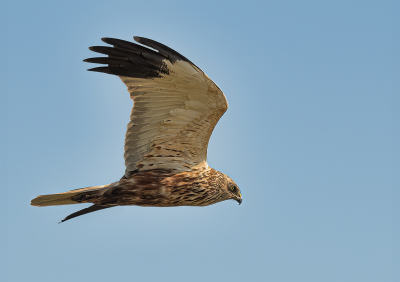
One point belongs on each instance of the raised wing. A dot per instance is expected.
(175, 105)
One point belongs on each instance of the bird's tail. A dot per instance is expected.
(67, 198)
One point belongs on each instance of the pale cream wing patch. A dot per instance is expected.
(172, 118)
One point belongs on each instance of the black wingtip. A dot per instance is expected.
(133, 60)
(90, 209)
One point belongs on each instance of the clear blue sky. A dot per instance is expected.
(311, 137)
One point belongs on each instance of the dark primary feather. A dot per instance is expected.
(107, 60)
(162, 49)
(90, 209)
(110, 51)
(122, 44)
(122, 71)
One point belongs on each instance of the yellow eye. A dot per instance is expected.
(232, 188)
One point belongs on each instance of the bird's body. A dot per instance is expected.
(161, 188)
(176, 107)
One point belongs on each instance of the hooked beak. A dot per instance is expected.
(239, 200)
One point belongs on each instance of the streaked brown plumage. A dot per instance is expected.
(176, 107)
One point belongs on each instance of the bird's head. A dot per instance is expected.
(233, 190)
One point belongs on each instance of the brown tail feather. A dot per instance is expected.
(64, 198)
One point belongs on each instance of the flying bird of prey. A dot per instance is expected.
(175, 109)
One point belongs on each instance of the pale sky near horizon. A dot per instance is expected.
(311, 137)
